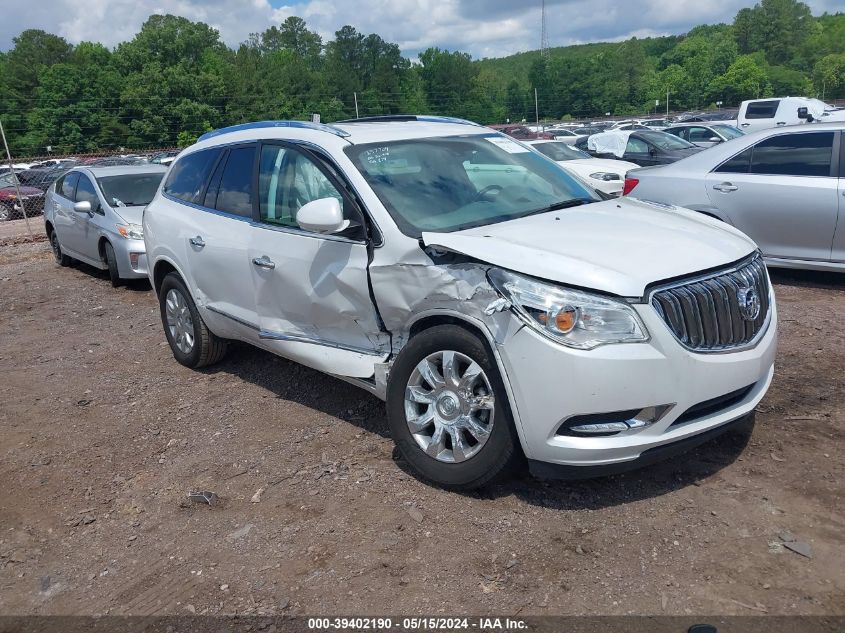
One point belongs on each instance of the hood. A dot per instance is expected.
(617, 246)
(130, 215)
(11, 192)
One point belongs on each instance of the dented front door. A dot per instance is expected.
(312, 291)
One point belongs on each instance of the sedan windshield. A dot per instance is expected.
(128, 190)
(450, 183)
(560, 151)
(8, 180)
(728, 131)
(664, 140)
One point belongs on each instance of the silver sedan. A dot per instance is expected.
(783, 187)
(94, 214)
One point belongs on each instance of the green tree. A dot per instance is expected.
(745, 79)
(829, 76)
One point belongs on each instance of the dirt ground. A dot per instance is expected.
(102, 434)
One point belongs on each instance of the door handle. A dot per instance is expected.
(781, 123)
(197, 241)
(725, 187)
(744, 124)
(264, 262)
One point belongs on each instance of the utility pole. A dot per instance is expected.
(536, 108)
(544, 36)
(15, 176)
(667, 102)
(355, 94)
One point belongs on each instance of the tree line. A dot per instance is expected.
(176, 78)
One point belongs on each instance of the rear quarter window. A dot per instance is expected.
(187, 178)
(762, 109)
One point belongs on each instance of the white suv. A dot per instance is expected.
(499, 306)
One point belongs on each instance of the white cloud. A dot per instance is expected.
(485, 28)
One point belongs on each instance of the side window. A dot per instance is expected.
(235, 192)
(85, 192)
(69, 185)
(762, 109)
(188, 176)
(699, 134)
(805, 154)
(739, 164)
(288, 180)
(636, 146)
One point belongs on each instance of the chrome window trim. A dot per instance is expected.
(734, 268)
(262, 225)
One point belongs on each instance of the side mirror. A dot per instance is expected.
(83, 207)
(322, 216)
(714, 139)
(804, 113)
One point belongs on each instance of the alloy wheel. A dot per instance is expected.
(179, 320)
(449, 406)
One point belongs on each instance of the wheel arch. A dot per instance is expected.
(429, 319)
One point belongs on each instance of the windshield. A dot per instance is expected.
(129, 190)
(7, 180)
(560, 151)
(729, 131)
(446, 184)
(664, 140)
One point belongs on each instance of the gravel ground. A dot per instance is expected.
(103, 434)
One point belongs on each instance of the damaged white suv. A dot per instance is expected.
(500, 308)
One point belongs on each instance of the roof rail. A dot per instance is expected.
(386, 118)
(322, 127)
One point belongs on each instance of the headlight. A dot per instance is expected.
(131, 231)
(571, 317)
(605, 175)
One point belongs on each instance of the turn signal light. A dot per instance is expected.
(629, 185)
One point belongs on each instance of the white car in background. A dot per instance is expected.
(564, 135)
(605, 175)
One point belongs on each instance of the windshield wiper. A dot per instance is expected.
(557, 206)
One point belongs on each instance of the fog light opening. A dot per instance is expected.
(613, 423)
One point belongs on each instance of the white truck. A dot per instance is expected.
(760, 114)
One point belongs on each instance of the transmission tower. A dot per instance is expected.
(544, 37)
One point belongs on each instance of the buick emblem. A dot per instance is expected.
(749, 303)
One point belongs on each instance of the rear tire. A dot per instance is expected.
(192, 343)
(61, 258)
(6, 212)
(477, 443)
(111, 262)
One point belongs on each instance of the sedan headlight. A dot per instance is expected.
(605, 175)
(131, 231)
(572, 317)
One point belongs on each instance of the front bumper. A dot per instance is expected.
(131, 258)
(551, 383)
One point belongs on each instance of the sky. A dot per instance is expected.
(484, 28)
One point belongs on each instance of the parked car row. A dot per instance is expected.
(500, 306)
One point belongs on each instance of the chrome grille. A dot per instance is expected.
(713, 313)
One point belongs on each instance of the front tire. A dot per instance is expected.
(111, 262)
(192, 343)
(448, 410)
(6, 212)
